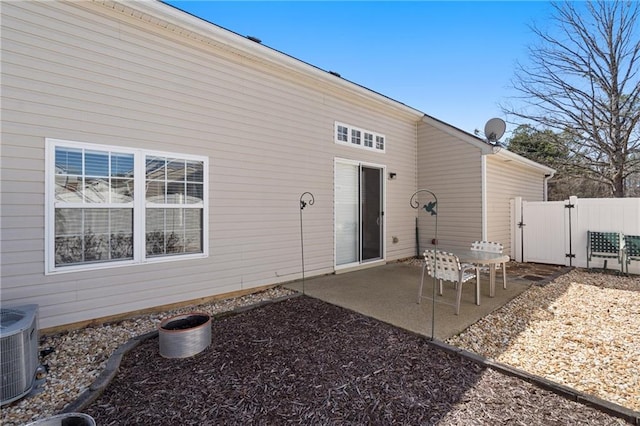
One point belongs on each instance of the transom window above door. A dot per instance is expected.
(346, 134)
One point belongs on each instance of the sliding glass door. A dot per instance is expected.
(359, 213)
(371, 213)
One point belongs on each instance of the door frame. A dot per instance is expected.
(360, 264)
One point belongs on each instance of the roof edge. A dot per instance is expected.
(485, 147)
(459, 133)
(188, 25)
(508, 155)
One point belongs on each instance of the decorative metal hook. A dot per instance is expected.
(303, 203)
(430, 207)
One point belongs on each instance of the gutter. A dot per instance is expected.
(484, 147)
(507, 155)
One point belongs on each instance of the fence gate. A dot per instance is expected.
(544, 231)
(548, 219)
(555, 232)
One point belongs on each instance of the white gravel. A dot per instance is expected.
(582, 330)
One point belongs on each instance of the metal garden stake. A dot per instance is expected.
(303, 204)
(430, 207)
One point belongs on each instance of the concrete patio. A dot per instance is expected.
(390, 293)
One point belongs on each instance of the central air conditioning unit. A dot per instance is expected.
(20, 370)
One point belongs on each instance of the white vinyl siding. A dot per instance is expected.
(87, 71)
(507, 180)
(451, 168)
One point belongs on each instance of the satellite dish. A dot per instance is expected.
(494, 129)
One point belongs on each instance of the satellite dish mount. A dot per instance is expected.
(494, 130)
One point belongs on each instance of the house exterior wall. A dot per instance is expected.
(452, 169)
(99, 74)
(506, 180)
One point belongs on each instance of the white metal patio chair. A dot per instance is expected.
(491, 247)
(446, 266)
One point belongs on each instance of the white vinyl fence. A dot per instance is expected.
(555, 232)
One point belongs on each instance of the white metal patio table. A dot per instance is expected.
(477, 257)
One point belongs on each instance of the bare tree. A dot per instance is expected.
(583, 80)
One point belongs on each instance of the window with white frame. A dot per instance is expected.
(342, 133)
(353, 136)
(368, 140)
(111, 205)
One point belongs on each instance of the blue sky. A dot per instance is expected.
(452, 60)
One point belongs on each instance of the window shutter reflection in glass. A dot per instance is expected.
(194, 193)
(175, 170)
(122, 165)
(121, 190)
(154, 232)
(96, 163)
(68, 189)
(195, 171)
(155, 192)
(155, 168)
(193, 231)
(68, 161)
(176, 193)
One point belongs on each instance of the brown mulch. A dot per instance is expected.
(304, 361)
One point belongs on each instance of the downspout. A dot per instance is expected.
(545, 195)
(483, 180)
(493, 150)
